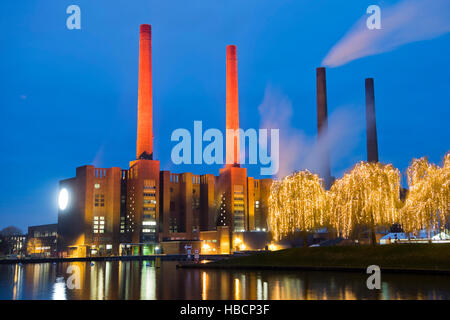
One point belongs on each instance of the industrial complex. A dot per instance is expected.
(145, 209)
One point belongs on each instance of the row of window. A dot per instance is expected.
(99, 200)
(99, 224)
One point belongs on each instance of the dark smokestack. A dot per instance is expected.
(322, 123)
(144, 143)
(371, 125)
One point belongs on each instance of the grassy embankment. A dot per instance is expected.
(395, 257)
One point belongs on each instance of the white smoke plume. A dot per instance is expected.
(297, 150)
(406, 22)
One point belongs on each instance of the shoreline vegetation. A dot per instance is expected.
(407, 258)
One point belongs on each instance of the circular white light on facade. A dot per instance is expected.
(63, 199)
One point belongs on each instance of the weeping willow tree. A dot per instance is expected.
(427, 205)
(296, 202)
(368, 195)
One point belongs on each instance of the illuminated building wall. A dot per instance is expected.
(142, 214)
(215, 241)
(258, 193)
(143, 205)
(232, 198)
(91, 218)
(187, 205)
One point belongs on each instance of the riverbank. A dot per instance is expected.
(163, 257)
(415, 258)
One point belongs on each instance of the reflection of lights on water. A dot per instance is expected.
(259, 295)
(101, 283)
(107, 276)
(94, 282)
(204, 286)
(385, 290)
(239, 288)
(148, 283)
(17, 289)
(59, 289)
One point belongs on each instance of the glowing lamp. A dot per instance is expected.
(63, 199)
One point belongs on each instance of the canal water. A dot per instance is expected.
(143, 280)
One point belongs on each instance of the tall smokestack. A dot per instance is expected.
(322, 123)
(371, 124)
(144, 143)
(232, 104)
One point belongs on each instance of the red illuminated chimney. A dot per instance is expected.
(322, 124)
(144, 143)
(232, 102)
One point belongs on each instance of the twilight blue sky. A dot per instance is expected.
(69, 97)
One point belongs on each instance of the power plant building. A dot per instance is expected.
(145, 210)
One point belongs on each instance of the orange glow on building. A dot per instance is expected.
(144, 145)
(133, 211)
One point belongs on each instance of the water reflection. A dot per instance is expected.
(18, 276)
(59, 289)
(146, 280)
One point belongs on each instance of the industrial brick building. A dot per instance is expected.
(143, 209)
